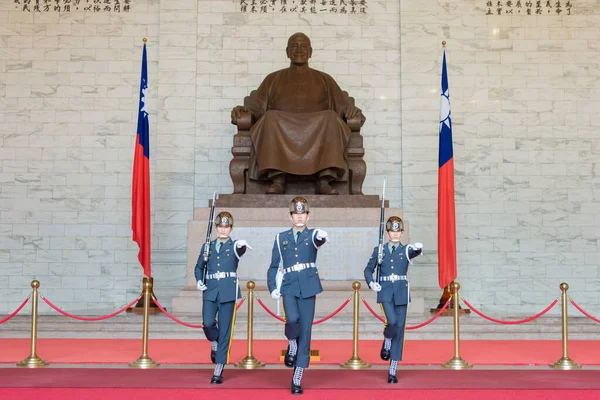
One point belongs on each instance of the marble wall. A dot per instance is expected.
(524, 96)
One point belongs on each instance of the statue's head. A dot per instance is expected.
(299, 49)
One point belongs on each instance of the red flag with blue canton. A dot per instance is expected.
(446, 210)
(140, 197)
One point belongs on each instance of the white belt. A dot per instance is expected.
(299, 267)
(221, 275)
(393, 278)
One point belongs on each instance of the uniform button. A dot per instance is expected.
(296, 255)
(297, 263)
(217, 257)
(295, 248)
(218, 265)
(392, 267)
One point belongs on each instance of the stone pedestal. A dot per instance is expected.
(353, 233)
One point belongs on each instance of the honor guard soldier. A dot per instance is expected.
(393, 290)
(297, 281)
(220, 291)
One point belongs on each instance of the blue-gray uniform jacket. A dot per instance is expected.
(393, 265)
(226, 260)
(304, 283)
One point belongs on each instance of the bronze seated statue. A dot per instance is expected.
(298, 133)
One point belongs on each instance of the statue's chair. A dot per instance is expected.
(350, 183)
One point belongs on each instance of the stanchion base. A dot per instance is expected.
(249, 362)
(355, 363)
(144, 362)
(140, 310)
(457, 363)
(33, 362)
(565, 363)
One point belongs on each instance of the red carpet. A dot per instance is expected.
(417, 352)
(278, 394)
(323, 379)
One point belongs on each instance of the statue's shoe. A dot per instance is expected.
(276, 188)
(327, 189)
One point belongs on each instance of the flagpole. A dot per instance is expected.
(445, 119)
(144, 238)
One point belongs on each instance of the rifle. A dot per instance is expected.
(206, 254)
(381, 232)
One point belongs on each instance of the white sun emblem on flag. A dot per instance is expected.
(144, 108)
(445, 109)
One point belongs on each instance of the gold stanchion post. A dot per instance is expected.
(144, 361)
(250, 362)
(355, 362)
(33, 361)
(565, 361)
(456, 362)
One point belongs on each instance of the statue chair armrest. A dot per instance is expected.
(244, 122)
(355, 123)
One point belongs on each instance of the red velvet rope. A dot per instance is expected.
(269, 311)
(3, 320)
(408, 328)
(66, 314)
(522, 321)
(340, 308)
(581, 310)
(175, 319)
(333, 314)
(379, 317)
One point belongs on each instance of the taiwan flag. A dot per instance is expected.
(140, 197)
(446, 213)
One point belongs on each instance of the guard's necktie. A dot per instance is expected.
(393, 249)
(218, 246)
(297, 236)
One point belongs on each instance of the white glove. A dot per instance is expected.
(275, 295)
(201, 286)
(242, 243)
(418, 245)
(321, 234)
(376, 287)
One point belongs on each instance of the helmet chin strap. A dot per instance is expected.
(223, 236)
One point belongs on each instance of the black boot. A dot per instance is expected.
(385, 354)
(213, 356)
(296, 389)
(392, 379)
(216, 380)
(289, 360)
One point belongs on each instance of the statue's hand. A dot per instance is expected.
(236, 113)
(352, 112)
